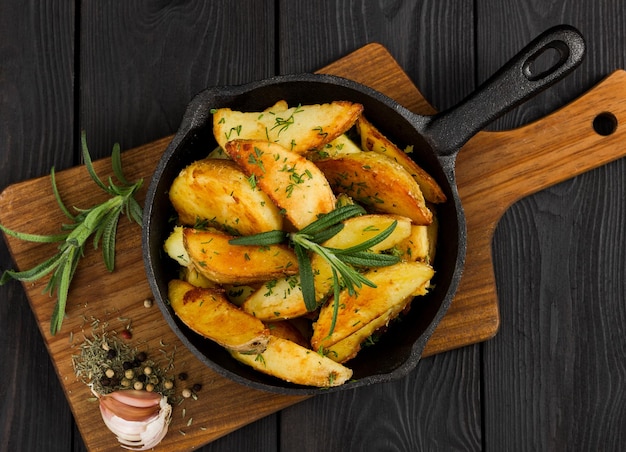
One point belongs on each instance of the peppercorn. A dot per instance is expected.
(147, 370)
(129, 374)
(138, 385)
(182, 376)
(141, 356)
(126, 334)
(111, 353)
(105, 381)
(186, 393)
(142, 378)
(110, 373)
(197, 387)
(149, 387)
(127, 365)
(169, 384)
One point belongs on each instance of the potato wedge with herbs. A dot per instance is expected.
(377, 182)
(299, 129)
(373, 140)
(421, 244)
(282, 298)
(394, 284)
(216, 259)
(217, 191)
(296, 364)
(294, 183)
(208, 313)
(339, 146)
(287, 330)
(347, 348)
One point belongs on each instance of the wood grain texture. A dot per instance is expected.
(36, 113)
(554, 378)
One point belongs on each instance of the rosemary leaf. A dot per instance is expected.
(57, 196)
(32, 274)
(367, 244)
(332, 218)
(35, 238)
(369, 259)
(323, 235)
(306, 278)
(261, 239)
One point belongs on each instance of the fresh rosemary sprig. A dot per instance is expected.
(342, 261)
(100, 221)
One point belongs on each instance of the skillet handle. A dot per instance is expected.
(513, 84)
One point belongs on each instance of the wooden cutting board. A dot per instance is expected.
(494, 170)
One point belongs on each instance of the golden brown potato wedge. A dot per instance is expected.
(208, 313)
(296, 364)
(394, 284)
(347, 348)
(373, 140)
(282, 298)
(286, 330)
(294, 183)
(377, 182)
(299, 129)
(217, 191)
(174, 246)
(216, 259)
(339, 146)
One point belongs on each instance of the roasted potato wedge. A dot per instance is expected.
(339, 146)
(217, 191)
(286, 330)
(299, 129)
(216, 259)
(282, 298)
(377, 182)
(347, 348)
(394, 284)
(294, 183)
(174, 246)
(373, 140)
(208, 312)
(296, 364)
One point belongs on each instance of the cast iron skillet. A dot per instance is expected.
(436, 140)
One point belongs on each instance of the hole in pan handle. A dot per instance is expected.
(517, 81)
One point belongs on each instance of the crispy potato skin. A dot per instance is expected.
(293, 182)
(373, 140)
(299, 129)
(208, 312)
(379, 183)
(218, 191)
(217, 260)
(296, 364)
(394, 284)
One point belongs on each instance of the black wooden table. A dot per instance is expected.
(554, 377)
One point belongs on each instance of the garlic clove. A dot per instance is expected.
(137, 427)
(129, 412)
(136, 398)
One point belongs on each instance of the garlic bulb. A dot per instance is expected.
(139, 419)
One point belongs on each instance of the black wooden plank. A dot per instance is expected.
(141, 63)
(438, 406)
(554, 375)
(36, 113)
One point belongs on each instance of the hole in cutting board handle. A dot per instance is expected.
(605, 124)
